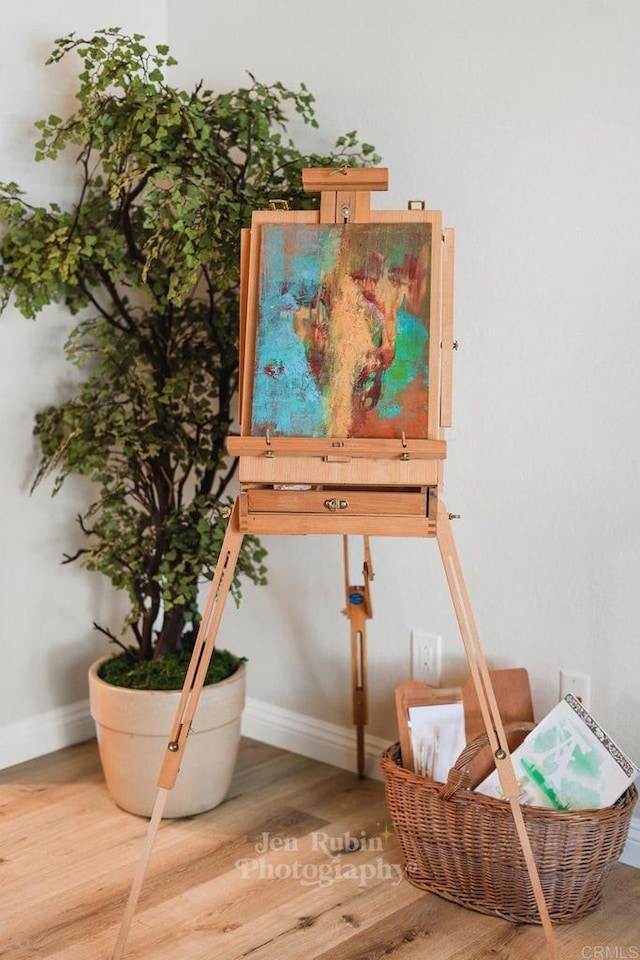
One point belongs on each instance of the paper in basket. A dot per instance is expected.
(567, 762)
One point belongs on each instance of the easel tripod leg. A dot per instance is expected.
(489, 709)
(191, 690)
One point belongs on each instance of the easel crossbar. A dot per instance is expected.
(331, 447)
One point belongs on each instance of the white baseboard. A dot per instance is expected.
(45, 733)
(313, 738)
(262, 721)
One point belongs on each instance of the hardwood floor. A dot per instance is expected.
(263, 876)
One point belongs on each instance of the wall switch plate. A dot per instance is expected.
(426, 657)
(579, 684)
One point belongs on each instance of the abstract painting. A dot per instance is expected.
(342, 331)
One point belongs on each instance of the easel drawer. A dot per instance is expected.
(342, 502)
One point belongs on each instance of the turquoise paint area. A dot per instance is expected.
(286, 397)
(409, 365)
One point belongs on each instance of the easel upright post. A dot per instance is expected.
(358, 610)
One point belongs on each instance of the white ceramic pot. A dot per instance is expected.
(132, 728)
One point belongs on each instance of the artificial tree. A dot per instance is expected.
(147, 258)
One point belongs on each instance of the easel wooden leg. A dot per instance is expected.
(489, 709)
(191, 690)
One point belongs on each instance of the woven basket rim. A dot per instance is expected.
(392, 767)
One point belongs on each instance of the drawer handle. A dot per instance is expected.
(334, 504)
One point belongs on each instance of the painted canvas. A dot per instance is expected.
(342, 333)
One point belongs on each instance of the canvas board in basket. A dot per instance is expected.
(464, 847)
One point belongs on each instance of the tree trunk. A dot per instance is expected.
(170, 637)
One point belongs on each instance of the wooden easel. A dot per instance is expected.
(341, 484)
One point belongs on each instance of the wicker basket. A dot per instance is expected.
(464, 846)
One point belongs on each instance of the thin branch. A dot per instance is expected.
(70, 557)
(226, 479)
(129, 198)
(104, 313)
(112, 637)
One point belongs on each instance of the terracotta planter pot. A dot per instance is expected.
(132, 728)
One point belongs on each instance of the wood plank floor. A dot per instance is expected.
(259, 878)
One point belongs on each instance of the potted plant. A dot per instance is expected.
(147, 258)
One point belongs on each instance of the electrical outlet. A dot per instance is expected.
(426, 657)
(579, 684)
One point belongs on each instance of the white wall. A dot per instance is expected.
(521, 122)
(46, 610)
